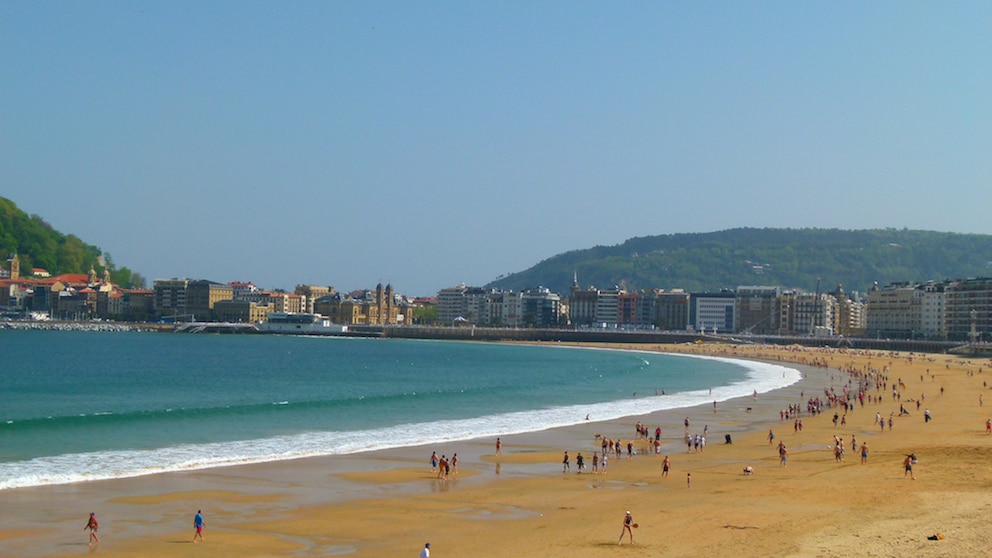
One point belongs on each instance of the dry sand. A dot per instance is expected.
(521, 504)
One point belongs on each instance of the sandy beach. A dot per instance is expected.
(520, 503)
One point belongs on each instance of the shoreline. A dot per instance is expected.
(185, 457)
(309, 505)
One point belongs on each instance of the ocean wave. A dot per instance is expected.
(81, 467)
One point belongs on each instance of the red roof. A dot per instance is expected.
(74, 278)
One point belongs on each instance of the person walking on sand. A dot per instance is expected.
(864, 453)
(908, 467)
(665, 466)
(499, 447)
(198, 525)
(93, 525)
(988, 426)
(771, 437)
(628, 527)
(426, 552)
(564, 464)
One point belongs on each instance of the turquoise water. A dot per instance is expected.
(78, 406)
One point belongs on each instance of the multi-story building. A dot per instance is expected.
(170, 297)
(712, 312)
(757, 309)
(507, 309)
(894, 311)
(240, 311)
(968, 306)
(672, 310)
(608, 306)
(813, 314)
(202, 295)
(933, 309)
(310, 293)
(461, 304)
(139, 304)
(647, 308)
(242, 289)
(582, 304)
(849, 319)
(540, 307)
(627, 309)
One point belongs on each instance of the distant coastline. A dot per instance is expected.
(539, 335)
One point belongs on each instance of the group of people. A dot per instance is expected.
(599, 464)
(443, 466)
(93, 525)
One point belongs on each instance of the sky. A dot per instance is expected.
(430, 144)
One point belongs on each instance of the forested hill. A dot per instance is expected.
(786, 257)
(37, 244)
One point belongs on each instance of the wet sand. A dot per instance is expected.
(390, 503)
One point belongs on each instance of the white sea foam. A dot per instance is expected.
(71, 468)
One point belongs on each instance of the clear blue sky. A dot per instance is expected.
(428, 144)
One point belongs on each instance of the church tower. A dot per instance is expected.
(14, 265)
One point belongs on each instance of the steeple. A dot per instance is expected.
(14, 266)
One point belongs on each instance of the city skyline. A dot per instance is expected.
(432, 145)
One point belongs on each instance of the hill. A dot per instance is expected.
(37, 244)
(787, 257)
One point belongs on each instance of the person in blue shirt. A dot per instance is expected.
(198, 525)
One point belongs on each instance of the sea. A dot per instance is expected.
(78, 406)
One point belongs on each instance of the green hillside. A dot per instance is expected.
(37, 244)
(787, 257)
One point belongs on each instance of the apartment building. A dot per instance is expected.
(463, 304)
(757, 309)
(540, 307)
(240, 311)
(933, 309)
(712, 312)
(311, 293)
(202, 295)
(170, 296)
(894, 311)
(968, 302)
(813, 314)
